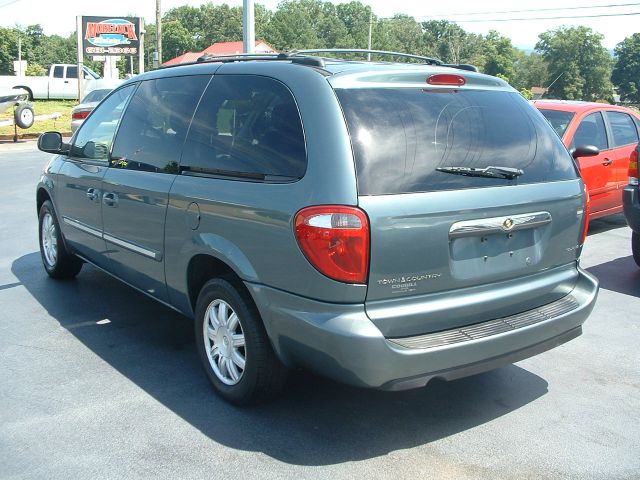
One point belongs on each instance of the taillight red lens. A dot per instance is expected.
(633, 167)
(81, 115)
(446, 79)
(335, 239)
(587, 212)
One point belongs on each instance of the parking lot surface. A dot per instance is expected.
(98, 381)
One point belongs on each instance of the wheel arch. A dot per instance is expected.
(202, 267)
(42, 195)
(29, 91)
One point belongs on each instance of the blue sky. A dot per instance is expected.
(59, 17)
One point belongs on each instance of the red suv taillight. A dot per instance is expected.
(633, 167)
(81, 115)
(335, 239)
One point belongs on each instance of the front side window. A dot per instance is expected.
(623, 128)
(246, 126)
(155, 125)
(72, 72)
(591, 131)
(93, 140)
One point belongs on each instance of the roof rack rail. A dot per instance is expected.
(428, 60)
(246, 57)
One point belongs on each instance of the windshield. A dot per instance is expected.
(96, 95)
(400, 136)
(91, 72)
(558, 119)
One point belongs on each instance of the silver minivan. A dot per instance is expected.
(380, 223)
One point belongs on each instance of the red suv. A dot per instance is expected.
(613, 130)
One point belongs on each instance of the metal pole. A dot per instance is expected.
(370, 28)
(20, 72)
(248, 26)
(80, 58)
(141, 53)
(159, 32)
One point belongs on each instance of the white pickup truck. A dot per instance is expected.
(61, 83)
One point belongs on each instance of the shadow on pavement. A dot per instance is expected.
(621, 275)
(607, 223)
(314, 422)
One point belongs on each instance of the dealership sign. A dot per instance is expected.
(110, 35)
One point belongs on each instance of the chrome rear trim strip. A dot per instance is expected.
(492, 327)
(131, 246)
(486, 226)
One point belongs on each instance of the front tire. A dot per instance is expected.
(635, 247)
(57, 261)
(233, 345)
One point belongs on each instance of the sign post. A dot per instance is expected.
(80, 58)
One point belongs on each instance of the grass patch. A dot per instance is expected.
(44, 107)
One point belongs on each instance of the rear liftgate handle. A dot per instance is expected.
(110, 199)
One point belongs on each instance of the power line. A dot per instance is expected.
(546, 18)
(611, 5)
(8, 3)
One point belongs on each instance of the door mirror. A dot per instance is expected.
(585, 151)
(51, 142)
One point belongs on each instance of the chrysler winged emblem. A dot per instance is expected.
(507, 224)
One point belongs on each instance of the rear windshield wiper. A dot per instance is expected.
(491, 172)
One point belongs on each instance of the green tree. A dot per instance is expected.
(500, 56)
(451, 43)
(8, 49)
(355, 17)
(626, 72)
(176, 40)
(577, 59)
(400, 33)
(530, 71)
(35, 70)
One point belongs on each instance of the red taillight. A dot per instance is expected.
(587, 212)
(446, 79)
(633, 167)
(335, 239)
(81, 115)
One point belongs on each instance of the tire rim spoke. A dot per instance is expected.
(224, 342)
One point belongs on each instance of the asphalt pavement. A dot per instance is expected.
(98, 381)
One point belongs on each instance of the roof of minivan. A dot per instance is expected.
(343, 73)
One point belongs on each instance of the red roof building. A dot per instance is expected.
(221, 48)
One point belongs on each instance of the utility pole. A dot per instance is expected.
(370, 28)
(159, 32)
(248, 26)
(20, 72)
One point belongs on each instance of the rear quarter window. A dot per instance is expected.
(401, 135)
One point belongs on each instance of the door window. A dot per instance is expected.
(93, 140)
(623, 128)
(58, 71)
(72, 72)
(246, 127)
(155, 124)
(591, 131)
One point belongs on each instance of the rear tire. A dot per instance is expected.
(635, 247)
(234, 347)
(57, 261)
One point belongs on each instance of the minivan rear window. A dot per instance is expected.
(401, 135)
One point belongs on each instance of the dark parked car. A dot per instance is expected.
(380, 223)
(631, 201)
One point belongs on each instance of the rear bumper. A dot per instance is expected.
(339, 341)
(631, 203)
